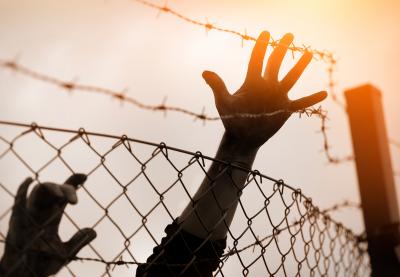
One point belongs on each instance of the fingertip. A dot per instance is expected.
(288, 36)
(25, 184)
(263, 38)
(28, 180)
(91, 234)
(316, 97)
(88, 234)
(308, 101)
(79, 240)
(76, 180)
(22, 191)
(323, 94)
(308, 54)
(287, 39)
(210, 77)
(215, 83)
(206, 74)
(264, 35)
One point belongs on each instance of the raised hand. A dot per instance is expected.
(33, 246)
(261, 106)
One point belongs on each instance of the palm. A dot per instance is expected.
(261, 106)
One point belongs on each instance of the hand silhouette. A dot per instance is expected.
(33, 246)
(262, 100)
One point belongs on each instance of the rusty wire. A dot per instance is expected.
(297, 238)
(323, 55)
(163, 107)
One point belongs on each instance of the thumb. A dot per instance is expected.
(217, 85)
(79, 240)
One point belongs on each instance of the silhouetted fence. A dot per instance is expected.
(135, 188)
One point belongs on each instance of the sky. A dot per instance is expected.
(123, 45)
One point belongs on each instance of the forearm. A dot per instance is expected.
(215, 202)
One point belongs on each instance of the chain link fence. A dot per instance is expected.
(136, 188)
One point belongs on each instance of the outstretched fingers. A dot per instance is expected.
(275, 60)
(294, 74)
(307, 101)
(257, 57)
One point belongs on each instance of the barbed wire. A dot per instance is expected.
(315, 243)
(323, 55)
(121, 95)
(327, 148)
(345, 204)
(163, 107)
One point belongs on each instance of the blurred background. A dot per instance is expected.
(123, 45)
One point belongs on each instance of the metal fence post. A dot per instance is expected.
(375, 177)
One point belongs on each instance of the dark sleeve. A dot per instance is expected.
(182, 254)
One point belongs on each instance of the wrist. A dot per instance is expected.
(236, 151)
